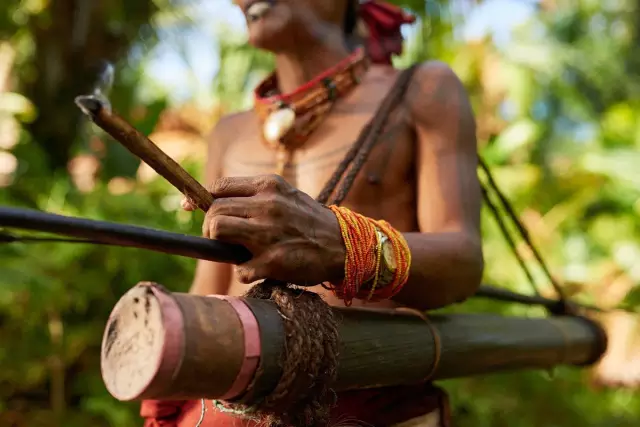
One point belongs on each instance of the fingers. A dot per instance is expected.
(264, 265)
(225, 187)
(228, 229)
(253, 235)
(234, 187)
(242, 207)
(231, 188)
(233, 196)
(246, 186)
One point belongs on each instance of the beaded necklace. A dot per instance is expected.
(289, 119)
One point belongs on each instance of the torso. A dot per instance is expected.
(385, 187)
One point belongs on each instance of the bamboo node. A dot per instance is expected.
(437, 342)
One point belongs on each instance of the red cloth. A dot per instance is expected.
(377, 407)
(383, 21)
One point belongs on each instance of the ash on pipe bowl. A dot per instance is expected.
(91, 105)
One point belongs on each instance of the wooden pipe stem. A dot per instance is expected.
(145, 149)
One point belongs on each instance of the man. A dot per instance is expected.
(420, 177)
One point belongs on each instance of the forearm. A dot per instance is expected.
(211, 278)
(445, 268)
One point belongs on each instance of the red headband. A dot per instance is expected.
(383, 21)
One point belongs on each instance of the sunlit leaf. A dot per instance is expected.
(18, 105)
(632, 300)
(621, 165)
(620, 121)
(517, 136)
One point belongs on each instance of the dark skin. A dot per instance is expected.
(421, 176)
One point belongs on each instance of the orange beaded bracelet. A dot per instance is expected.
(374, 268)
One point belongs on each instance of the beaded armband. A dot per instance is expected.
(377, 258)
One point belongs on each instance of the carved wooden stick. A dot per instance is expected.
(166, 346)
(145, 149)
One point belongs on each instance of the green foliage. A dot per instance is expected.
(565, 154)
(75, 287)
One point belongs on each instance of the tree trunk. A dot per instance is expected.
(71, 39)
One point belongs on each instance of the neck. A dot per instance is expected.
(295, 68)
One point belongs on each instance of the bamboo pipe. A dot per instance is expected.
(166, 346)
(141, 146)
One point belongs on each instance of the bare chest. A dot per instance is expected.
(386, 171)
(384, 187)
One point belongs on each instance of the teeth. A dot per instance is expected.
(258, 10)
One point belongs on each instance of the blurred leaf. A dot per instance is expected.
(632, 300)
(18, 105)
(517, 136)
(620, 165)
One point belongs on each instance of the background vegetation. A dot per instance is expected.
(558, 111)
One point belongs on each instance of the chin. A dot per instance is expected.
(273, 31)
(265, 40)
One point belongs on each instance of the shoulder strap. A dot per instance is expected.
(359, 152)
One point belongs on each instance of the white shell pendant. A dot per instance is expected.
(278, 124)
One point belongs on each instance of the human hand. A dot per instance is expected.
(292, 237)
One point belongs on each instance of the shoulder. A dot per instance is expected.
(229, 125)
(224, 133)
(435, 75)
(434, 88)
(227, 129)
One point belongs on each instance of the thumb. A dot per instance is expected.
(188, 205)
(251, 271)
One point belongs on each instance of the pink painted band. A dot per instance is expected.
(172, 346)
(252, 346)
(174, 339)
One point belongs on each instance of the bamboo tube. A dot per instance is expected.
(166, 346)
